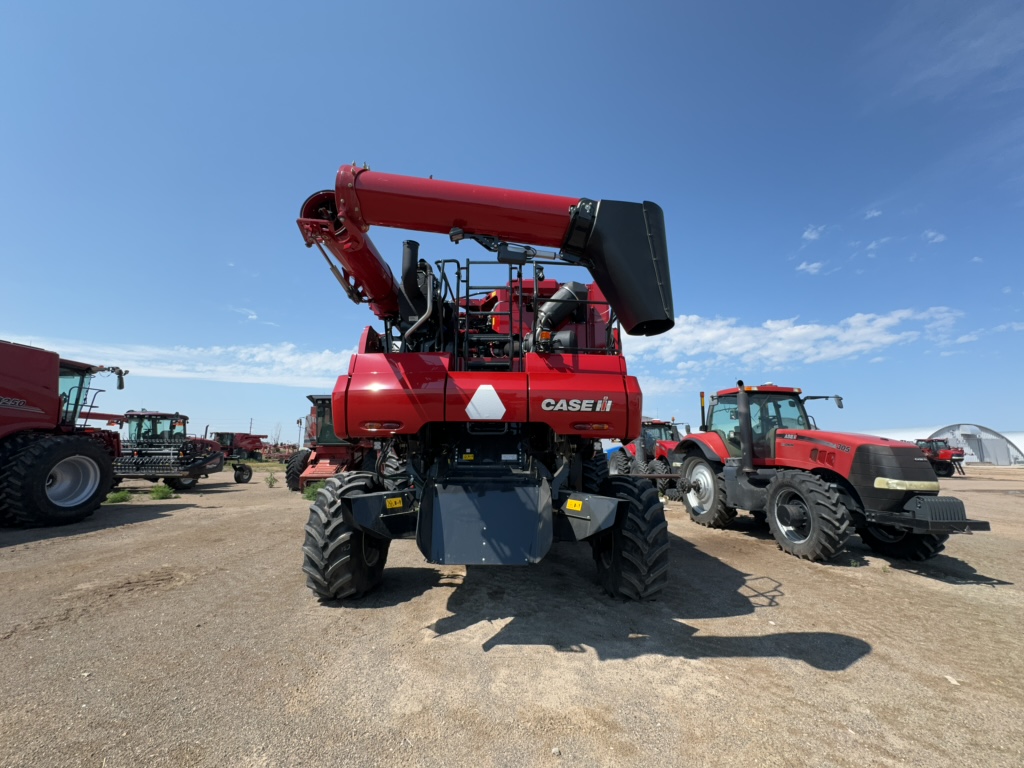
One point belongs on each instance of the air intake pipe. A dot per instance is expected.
(746, 430)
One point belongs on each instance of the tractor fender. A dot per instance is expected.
(708, 445)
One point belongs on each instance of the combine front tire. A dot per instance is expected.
(900, 544)
(296, 466)
(56, 481)
(806, 516)
(339, 560)
(632, 557)
(243, 473)
(181, 483)
(705, 501)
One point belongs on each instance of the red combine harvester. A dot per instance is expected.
(328, 454)
(759, 450)
(944, 458)
(241, 445)
(52, 471)
(489, 396)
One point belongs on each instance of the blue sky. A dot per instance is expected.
(843, 185)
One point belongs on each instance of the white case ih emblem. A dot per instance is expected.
(485, 404)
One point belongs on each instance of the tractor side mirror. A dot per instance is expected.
(687, 428)
(839, 402)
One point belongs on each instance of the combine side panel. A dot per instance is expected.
(398, 393)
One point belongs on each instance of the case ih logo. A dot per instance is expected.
(600, 406)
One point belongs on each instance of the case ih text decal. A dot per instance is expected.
(597, 406)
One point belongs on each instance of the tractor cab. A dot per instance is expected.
(655, 432)
(324, 422)
(154, 427)
(771, 409)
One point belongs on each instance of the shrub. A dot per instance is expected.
(118, 497)
(161, 492)
(271, 480)
(309, 492)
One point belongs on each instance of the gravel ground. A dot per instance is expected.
(180, 633)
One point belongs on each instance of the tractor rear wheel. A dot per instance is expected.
(339, 560)
(705, 501)
(619, 462)
(659, 467)
(56, 480)
(181, 483)
(243, 473)
(632, 557)
(806, 516)
(297, 464)
(901, 544)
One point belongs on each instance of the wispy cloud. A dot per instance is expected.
(1007, 289)
(813, 233)
(778, 342)
(931, 236)
(284, 364)
(874, 245)
(937, 50)
(977, 260)
(250, 314)
(810, 268)
(873, 213)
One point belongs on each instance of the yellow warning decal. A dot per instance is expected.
(574, 504)
(467, 457)
(394, 503)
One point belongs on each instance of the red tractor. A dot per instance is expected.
(241, 445)
(759, 450)
(945, 459)
(648, 454)
(328, 454)
(489, 393)
(52, 471)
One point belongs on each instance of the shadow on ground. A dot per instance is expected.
(108, 516)
(559, 603)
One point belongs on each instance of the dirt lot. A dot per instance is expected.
(181, 633)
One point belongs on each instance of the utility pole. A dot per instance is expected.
(298, 423)
(250, 425)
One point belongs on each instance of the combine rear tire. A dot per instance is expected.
(243, 473)
(339, 560)
(255, 456)
(806, 516)
(296, 466)
(181, 483)
(706, 501)
(619, 463)
(659, 467)
(56, 481)
(632, 557)
(900, 544)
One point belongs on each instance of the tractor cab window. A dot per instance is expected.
(325, 424)
(773, 411)
(724, 418)
(224, 439)
(73, 387)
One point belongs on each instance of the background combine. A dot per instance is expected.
(52, 471)
(490, 386)
(328, 454)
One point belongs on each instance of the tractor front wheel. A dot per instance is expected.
(339, 560)
(632, 557)
(297, 464)
(944, 469)
(806, 516)
(705, 501)
(619, 462)
(181, 483)
(56, 481)
(243, 473)
(659, 467)
(901, 544)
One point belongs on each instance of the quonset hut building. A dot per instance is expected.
(982, 444)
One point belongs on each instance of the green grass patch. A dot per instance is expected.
(309, 492)
(118, 497)
(161, 492)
